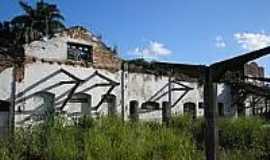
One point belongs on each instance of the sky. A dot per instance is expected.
(179, 31)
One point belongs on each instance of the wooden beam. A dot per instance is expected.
(253, 89)
(263, 79)
(210, 102)
(69, 95)
(221, 67)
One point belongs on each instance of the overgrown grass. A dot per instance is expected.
(112, 139)
(246, 135)
(103, 139)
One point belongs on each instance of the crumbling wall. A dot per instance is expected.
(43, 77)
(46, 77)
(46, 70)
(254, 70)
(55, 49)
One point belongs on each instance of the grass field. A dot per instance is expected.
(112, 139)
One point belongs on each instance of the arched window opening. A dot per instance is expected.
(190, 108)
(80, 103)
(221, 109)
(4, 114)
(201, 105)
(4, 106)
(45, 108)
(133, 110)
(110, 100)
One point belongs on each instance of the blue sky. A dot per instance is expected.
(182, 31)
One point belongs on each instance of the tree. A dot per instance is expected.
(10, 45)
(49, 18)
(44, 20)
(24, 24)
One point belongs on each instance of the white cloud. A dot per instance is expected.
(220, 43)
(252, 41)
(153, 50)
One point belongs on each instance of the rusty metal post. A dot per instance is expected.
(133, 111)
(210, 100)
(166, 113)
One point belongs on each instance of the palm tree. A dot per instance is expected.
(10, 43)
(49, 17)
(44, 20)
(24, 23)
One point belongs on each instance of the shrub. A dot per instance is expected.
(195, 127)
(106, 138)
(112, 139)
(261, 143)
(246, 135)
(239, 133)
(115, 140)
(237, 155)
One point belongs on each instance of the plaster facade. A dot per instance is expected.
(52, 82)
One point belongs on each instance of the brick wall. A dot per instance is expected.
(103, 57)
(254, 70)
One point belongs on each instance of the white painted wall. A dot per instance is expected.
(38, 71)
(54, 48)
(5, 83)
(139, 87)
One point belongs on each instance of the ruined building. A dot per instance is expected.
(75, 73)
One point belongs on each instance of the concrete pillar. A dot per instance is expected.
(124, 82)
(133, 111)
(166, 113)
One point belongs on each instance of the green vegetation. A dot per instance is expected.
(43, 20)
(245, 136)
(111, 139)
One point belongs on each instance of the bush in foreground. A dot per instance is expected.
(112, 139)
(103, 139)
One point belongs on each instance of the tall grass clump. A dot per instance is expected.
(245, 135)
(113, 139)
(101, 139)
(185, 124)
(239, 138)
